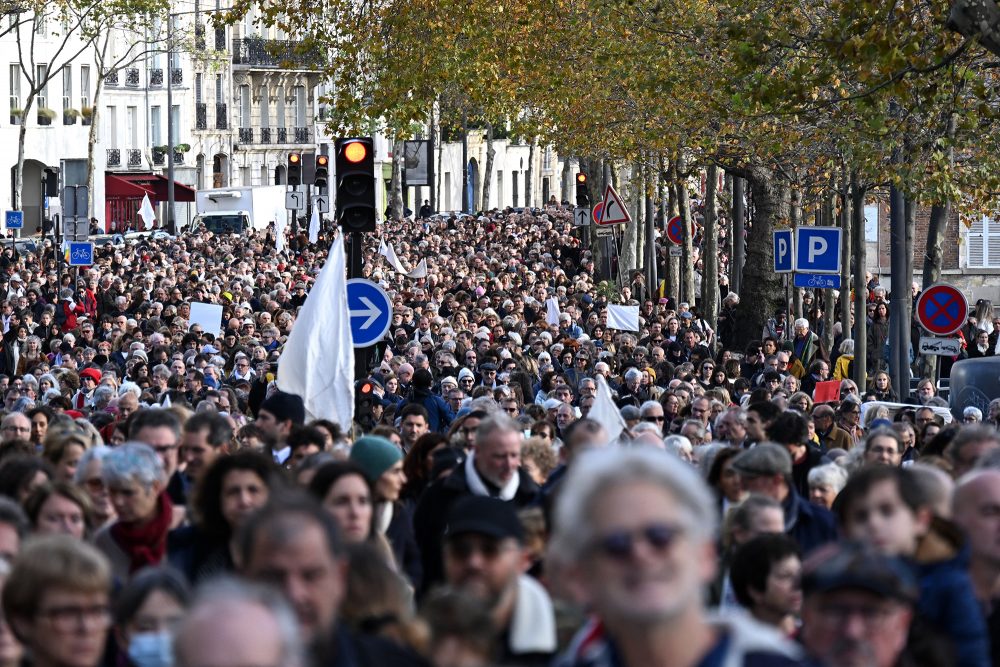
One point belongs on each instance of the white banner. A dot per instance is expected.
(625, 318)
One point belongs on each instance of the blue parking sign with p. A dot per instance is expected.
(783, 252)
(817, 249)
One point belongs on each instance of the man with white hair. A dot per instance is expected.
(806, 345)
(652, 412)
(972, 415)
(634, 534)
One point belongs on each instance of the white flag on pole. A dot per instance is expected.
(625, 318)
(552, 311)
(605, 412)
(314, 225)
(147, 213)
(387, 251)
(279, 233)
(318, 360)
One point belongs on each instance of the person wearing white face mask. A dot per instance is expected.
(145, 615)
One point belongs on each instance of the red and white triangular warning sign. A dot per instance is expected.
(614, 212)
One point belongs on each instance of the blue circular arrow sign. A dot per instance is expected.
(371, 311)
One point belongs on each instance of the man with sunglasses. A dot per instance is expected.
(635, 535)
(484, 555)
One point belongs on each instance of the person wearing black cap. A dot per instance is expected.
(858, 607)
(278, 415)
(483, 556)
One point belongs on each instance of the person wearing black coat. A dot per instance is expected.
(480, 473)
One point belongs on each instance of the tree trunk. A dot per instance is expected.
(739, 235)
(710, 252)
(19, 172)
(762, 290)
(626, 258)
(396, 183)
(673, 263)
(728, 220)
(687, 258)
(829, 302)
(92, 143)
(911, 225)
(529, 175)
(860, 285)
(488, 169)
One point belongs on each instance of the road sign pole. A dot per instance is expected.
(354, 256)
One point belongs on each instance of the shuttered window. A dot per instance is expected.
(983, 243)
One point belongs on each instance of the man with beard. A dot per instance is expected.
(483, 556)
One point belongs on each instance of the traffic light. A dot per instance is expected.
(582, 191)
(322, 171)
(295, 168)
(356, 184)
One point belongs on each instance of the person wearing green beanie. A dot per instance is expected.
(382, 463)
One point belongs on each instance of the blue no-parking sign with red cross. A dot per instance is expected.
(942, 309)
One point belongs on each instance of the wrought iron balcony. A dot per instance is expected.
(114, 157)
(220, 39)
(159, 157)
(256, 52)
(221, 117)
(111, 78)
(246, 135)
(201, 116)
(302, 135)
(156, 76)
(132, 77)
(176, 76)
(178, 157)
(265, 135)
(134, 158)
(282, 135)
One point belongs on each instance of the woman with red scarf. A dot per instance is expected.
(136, 484)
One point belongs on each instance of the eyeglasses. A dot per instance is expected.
(654, 419)
(620, 544)
(66, 619)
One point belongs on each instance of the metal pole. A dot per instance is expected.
(466, 204)
(898, 358)
(739, 241)
(171, 228)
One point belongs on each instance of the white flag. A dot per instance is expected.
(318, 360)
(314, 225)
(552, 311)
(279, 233)
(605, 412)
(147, 213)
(625, 318)
(387, 251)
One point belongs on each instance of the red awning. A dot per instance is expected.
(156, 184)
(115, 186)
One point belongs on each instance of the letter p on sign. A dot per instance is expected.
(817, 248)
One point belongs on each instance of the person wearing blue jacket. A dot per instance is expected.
(439, 414)
(885, 507)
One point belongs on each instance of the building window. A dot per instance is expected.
(300, 106)
(219, 98)
(265, 108)
(67, 87)
(983, 243)
(244, 106)
(15, 87)
(41, 80)
(156, 123)
(197, 88)
(175, 123)
(281, 107)
(84, 86)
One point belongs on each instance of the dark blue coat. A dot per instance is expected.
(810, 525)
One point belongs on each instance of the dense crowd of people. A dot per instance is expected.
(522, 484)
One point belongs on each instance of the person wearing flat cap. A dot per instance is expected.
(382, 464)
(278, 415)
(484, 557)
(767, 469)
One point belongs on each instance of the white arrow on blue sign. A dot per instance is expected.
(14, 220)
(784, 254)
(371, 311)
(817, 249)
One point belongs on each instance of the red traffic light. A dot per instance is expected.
(355, 151)
(581, 177)
(294, 158)
(322, 161)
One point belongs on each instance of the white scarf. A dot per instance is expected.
(476, 485)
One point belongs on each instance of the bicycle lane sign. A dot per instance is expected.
(81, 254)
